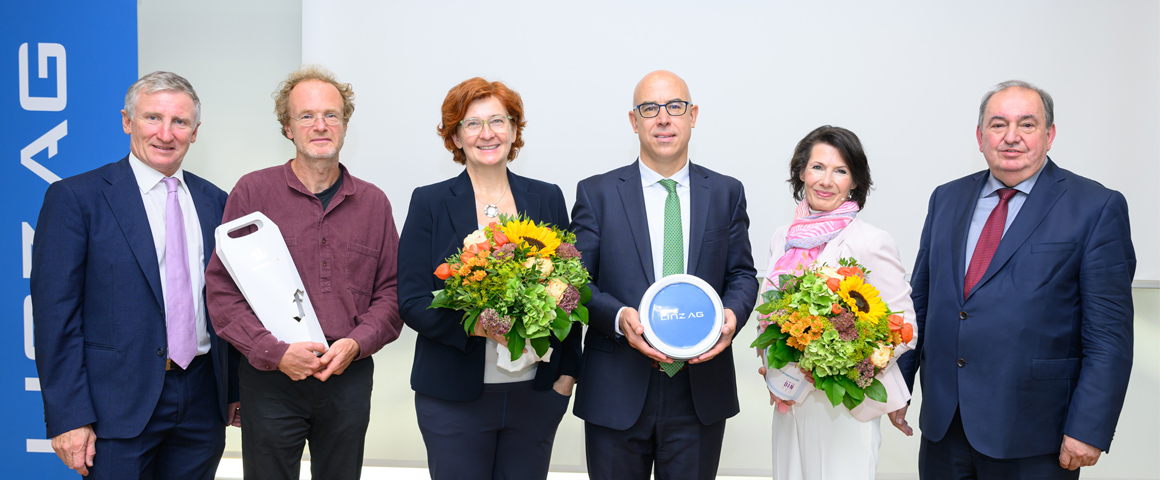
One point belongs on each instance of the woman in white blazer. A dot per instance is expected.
(831, 178)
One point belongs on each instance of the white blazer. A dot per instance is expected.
(874, 249)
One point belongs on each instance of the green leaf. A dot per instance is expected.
(770, 296)
(876, 391)
(515, 344)
(850, 403)
(766, 338)
(852, 389)
(440, 300)
(582, 312)
(561, 325)
(834, 392)
(585, 294)
(773, 361)
(540, 345)
(766, 308)
(469, 319)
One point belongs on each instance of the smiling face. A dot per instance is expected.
(827, 178)
(319, 141)
(161, 129)
(486, 148)
(1014, 136)
(664, 139)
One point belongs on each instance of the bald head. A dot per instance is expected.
(660, 79)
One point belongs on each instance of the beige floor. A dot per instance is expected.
(231, 469)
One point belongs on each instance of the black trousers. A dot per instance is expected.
(279, 415)
(184, 438)
(507, 433)
(953, 458)
(668, 436)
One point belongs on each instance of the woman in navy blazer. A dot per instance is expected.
(478, 419)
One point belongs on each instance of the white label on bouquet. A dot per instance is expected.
(787, 383)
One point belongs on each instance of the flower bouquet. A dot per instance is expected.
(835, 325)
(523, 281)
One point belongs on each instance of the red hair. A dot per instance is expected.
(461, 96)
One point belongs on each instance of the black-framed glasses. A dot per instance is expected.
(309, 119)
(497, 124)
(675, 108)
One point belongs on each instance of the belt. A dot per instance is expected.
(657, 365)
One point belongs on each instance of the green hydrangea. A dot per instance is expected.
(828, 355)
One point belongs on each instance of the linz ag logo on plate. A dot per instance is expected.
(675, 314)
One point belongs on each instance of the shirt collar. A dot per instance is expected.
(147, 177)
(648, 176)
(993, 184)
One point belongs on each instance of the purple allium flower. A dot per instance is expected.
(844, 324)
(571, 298)
(505, 252)
(566, 251)
(493, 323)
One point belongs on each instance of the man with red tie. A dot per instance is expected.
(1022, 290)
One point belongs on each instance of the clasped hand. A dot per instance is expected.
(633, 331)
(300, 361)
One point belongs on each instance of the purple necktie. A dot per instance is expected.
(988, 241)
(178, 292)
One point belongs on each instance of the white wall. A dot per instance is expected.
(906, 76)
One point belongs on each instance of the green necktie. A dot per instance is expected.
(674, 261)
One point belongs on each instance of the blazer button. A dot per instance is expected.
(962, 363)
(962, 315)
(160, 352)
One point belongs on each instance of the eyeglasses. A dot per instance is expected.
(675, 108)
(309, 119)
(497, 124)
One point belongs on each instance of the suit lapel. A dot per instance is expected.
(460, 206)
(1048, 188)
(124, 197)
(632, 198)
(527, 202)
(698, 213)
(205, 214)
(964, 209)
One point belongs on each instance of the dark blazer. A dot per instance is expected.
(612, 234)
(98, 309)
(448, 362)
(1042, 347)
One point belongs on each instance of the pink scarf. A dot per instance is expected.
(808, 235)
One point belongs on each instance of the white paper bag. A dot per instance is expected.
(787, 382)
(263, 270)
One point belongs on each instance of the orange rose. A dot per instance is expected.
(834, 284)
(500, 239)
(443, 272)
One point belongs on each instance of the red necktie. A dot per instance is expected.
(988, 241)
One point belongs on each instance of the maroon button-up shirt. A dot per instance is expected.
(346, 256)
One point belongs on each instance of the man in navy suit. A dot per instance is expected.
(637, 416)
(135, 382)
(1022, 290)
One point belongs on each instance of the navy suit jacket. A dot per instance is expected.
(97, 304)
(448, 362)
(1042, 347)
(612, 234)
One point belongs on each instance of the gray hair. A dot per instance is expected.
(1048, 103)
(160, 81)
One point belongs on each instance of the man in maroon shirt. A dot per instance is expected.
(342, 237)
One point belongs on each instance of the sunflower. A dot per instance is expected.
(862, 298)
(540, 241)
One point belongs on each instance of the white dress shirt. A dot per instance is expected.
(153, 194)
(655, 196)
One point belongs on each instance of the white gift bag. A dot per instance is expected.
(263, 270)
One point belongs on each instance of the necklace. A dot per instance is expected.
(491, 210)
